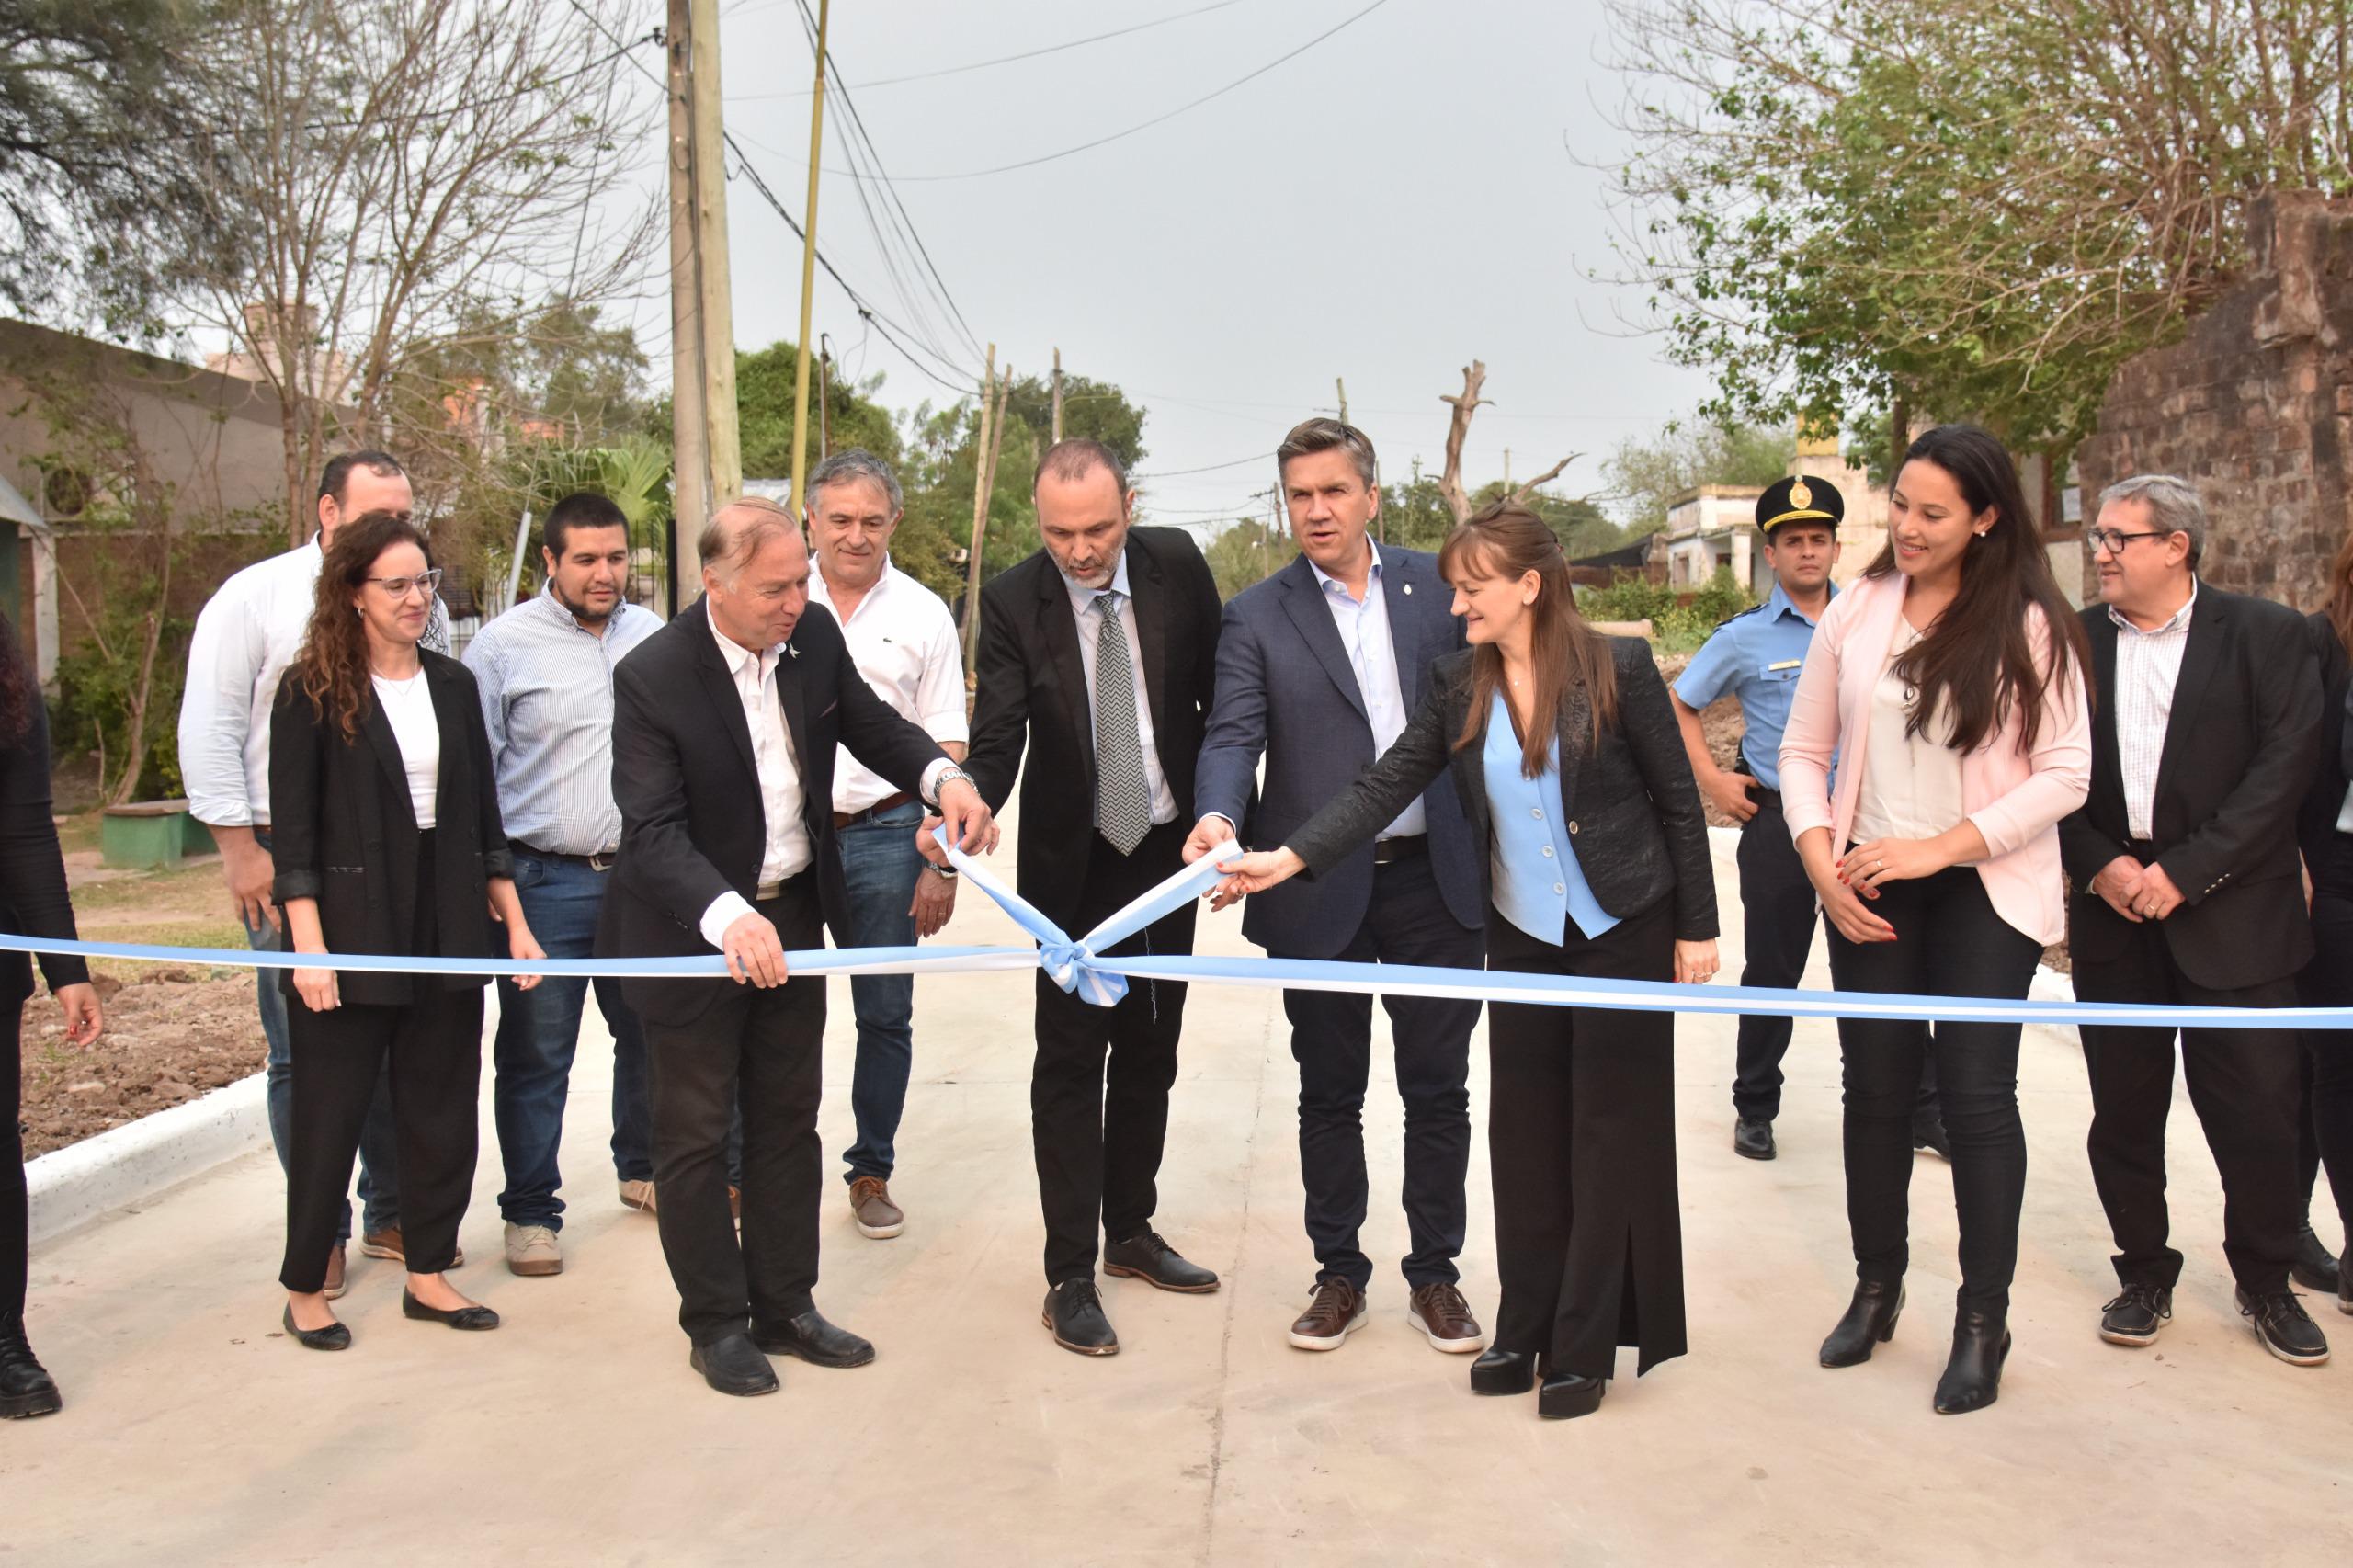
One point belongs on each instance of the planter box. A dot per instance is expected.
(149, 833)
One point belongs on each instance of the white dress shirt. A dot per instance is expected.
(902, 640)
(1090, 621)
(788, 852)
(1372, 653)
(2148, 663)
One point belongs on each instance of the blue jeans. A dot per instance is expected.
(537, 1032)
(380, 1190)
(880, 863)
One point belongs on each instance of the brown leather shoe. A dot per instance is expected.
(871, 1205)
(336, 1284)
(1444, 1318)
(386, 1242)
(1334, 1312)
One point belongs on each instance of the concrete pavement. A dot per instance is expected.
(194, 1433)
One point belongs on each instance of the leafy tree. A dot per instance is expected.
(1247, 552)
(1091, 409)
(1649, 472)
(940, 473)
(764, 410)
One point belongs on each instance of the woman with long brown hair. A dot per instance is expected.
(1568, 762)
(388, 841)
(1948, 684)
(2324, 833)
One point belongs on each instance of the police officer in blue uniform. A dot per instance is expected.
(1756, 657)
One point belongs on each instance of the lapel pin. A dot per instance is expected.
(1409, 587)
(792, 649)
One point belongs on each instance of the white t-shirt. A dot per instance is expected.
(408, 705)
(1911, 785)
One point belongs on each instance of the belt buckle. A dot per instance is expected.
(602, 861)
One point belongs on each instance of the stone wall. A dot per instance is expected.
(2254, 405)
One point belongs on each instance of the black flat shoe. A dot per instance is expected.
(1565, 1398)
(1973, 1380)
(1752, 1138)
(2313, 1266)
(1504, 1372)
(335, 1336)
(1147, 1257)
(25, 1387)
(813, 1340)
(1869, 1320)
(474, 1319)
(1073, 1312)
(734, 1365)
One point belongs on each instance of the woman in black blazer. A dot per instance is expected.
(2326, 1126)
(32, 904)
(1568, 762)
(388, 841)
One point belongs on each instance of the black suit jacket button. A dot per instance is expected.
(1572, 828)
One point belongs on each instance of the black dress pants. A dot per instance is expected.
(1950, 942)
(1098, 1089)
(2324, 1133)
(1406, 922)
(1581, 1139)
(15, 1220)
(764, 1051)
(2244, 1083)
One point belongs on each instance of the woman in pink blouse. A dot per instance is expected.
(1947, 686)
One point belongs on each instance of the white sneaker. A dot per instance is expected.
(531, 1249)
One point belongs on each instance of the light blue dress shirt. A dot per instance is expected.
(1538, 886)
(1372, 653)
(1756, 656)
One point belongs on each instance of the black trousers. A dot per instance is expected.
(2244, 1083)
(1331, 1038)
(764, 1051)
(15, 1219)
(1777, 905)
(1950, 942)
(1581, 1139)
(2324, 1133)
(1098, 1089)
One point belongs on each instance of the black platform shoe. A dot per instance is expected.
(1504, 1372)
(335, 1336)
(1973, 1380)
(1869, 1320)
(1567, 1397)
(25, 1387)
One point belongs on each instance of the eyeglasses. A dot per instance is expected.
(2113, 540)
(401, 587)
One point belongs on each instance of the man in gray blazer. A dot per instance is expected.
(1318, 669)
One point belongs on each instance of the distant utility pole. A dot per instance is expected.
(1507, 469)
(708, 466)
(1343, 386)
(980, 519)
(1058, 394)
(808, 266)
(825, 397)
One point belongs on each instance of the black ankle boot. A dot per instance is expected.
(1567, 1396)
(1869, 1320)
(1504, 1372)
(25, 1387)
(1973, 1380)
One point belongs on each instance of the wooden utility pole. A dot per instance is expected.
(1506, 468)
(708, 466)
(996, 430)
(1343, 386)
(808, 266)
(1058, 394)
(825, 397)
(980, 519)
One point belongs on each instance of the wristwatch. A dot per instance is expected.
(944, 873)
(941, 782)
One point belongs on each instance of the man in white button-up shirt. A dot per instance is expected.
(903, 640)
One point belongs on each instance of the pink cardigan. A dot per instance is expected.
(2015, 797)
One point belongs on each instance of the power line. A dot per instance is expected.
(1208, 468)
(1000, 60)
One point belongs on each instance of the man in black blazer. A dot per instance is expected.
(1318, 670)
(724, 728)
(2187, 891)
(1097, 655)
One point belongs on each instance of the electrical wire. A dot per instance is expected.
(1207, 468)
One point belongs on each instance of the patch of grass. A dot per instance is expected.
(79, 832)
(125, 894)
(167, 934)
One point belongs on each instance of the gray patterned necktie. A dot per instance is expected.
(1123, 798)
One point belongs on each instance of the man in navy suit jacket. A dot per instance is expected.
(1318, 669)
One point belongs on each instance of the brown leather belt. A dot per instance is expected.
(891, 803)
(600, 861)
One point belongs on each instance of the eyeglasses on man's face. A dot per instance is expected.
(2114, 539)
(401, 587)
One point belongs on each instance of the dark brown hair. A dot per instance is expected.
(2340, 594)
(1329, 435)
(1976, 660)
(17, 690)
(1076, 457)
(1507, 539)
(332, 668)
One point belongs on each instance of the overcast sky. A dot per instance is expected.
(1403, 195)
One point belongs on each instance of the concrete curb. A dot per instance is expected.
(72, 1185)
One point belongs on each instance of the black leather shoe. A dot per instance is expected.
(1504, 1372)
(1146, 1257)
(1073, 1311)
(2285, 1328)
(1929, 1137)
(734, 1365)
(2134, 1317)
(335, 1336)
(2313, 1266)
(1752, 1138)
(1869, 1320)
(2345, 1283)
(813, 1340)
(473, 1319)
(1564, 1398)
(1973, 1380)
(25, 1387)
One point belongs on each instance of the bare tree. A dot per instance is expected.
(421, 178)
(1465, 403)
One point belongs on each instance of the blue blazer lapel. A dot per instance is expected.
(1303, 602)
(1419, 624)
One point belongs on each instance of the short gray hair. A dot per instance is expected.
(849, 467)
(737, 533)
(2174, 505)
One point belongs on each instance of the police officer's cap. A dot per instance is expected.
(1800, 499)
